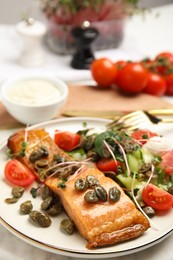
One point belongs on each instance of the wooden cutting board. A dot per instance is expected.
(93, 98)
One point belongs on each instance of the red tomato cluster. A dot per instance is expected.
(151, 76)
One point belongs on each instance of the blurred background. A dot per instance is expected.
(11, 11)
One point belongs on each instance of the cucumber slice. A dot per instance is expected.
(132, 162)
(147, 156)
(137, 154)
(127, 182)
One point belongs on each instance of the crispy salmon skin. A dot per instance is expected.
(101, 223)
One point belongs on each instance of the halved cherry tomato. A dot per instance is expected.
(167, 162)
(142, 135)
(156, 85)
(104, 72)
(157, 198)
(17, 173)
(66, 140)
(106, 165)
(132, 78)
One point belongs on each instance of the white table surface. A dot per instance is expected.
(143, 37)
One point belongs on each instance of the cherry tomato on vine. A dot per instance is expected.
(157, 198)
(106, 165)
(156, 85)
(120, 64)
(66, 140)
(104, 72)
(165, 55)
(18, 174)
(169, 84)
(132, 78)
(163, 63)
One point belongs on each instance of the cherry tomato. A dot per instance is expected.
(132, 78)
(104, 72)
(165, 55)
(142, 135)
(17, 173)
(169, 84)
(120, 64)
(163, 63)
(66, 140)
(157, 198)
(156, 85)
(106, 165)
(167, 162)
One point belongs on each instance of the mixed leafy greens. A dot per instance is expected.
(128, 161)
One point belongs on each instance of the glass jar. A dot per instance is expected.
(108, 18)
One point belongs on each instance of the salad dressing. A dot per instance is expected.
(33, 92)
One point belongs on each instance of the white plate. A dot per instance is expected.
(52, 239)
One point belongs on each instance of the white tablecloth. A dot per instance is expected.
(143, 37)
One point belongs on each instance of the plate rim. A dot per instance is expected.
(72, 253)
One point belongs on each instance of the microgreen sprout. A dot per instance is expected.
(124, 155)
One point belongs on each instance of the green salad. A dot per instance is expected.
(145, 174)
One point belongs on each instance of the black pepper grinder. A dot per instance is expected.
(84, 36)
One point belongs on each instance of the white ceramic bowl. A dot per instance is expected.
(32, 99)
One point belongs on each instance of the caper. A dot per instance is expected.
(40, 218)
(34, 156)
(101, 192)
(43, 151)
(17, 191)
(81, 184)
(26, 207)
(91, 196)
(54, 210)
(93, 155)
(114, 194)
(41, 163)
(65, 173)
(149, 211)
(67, 225)
(57, 158)
(88, 143)
(129, 145)
(11, 200)
(92, 180)
(105, 151)
(46, 192)
(46, 203)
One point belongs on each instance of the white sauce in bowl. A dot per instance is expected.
(33, 92)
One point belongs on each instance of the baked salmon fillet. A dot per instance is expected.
(100, 223)
(26, 144)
